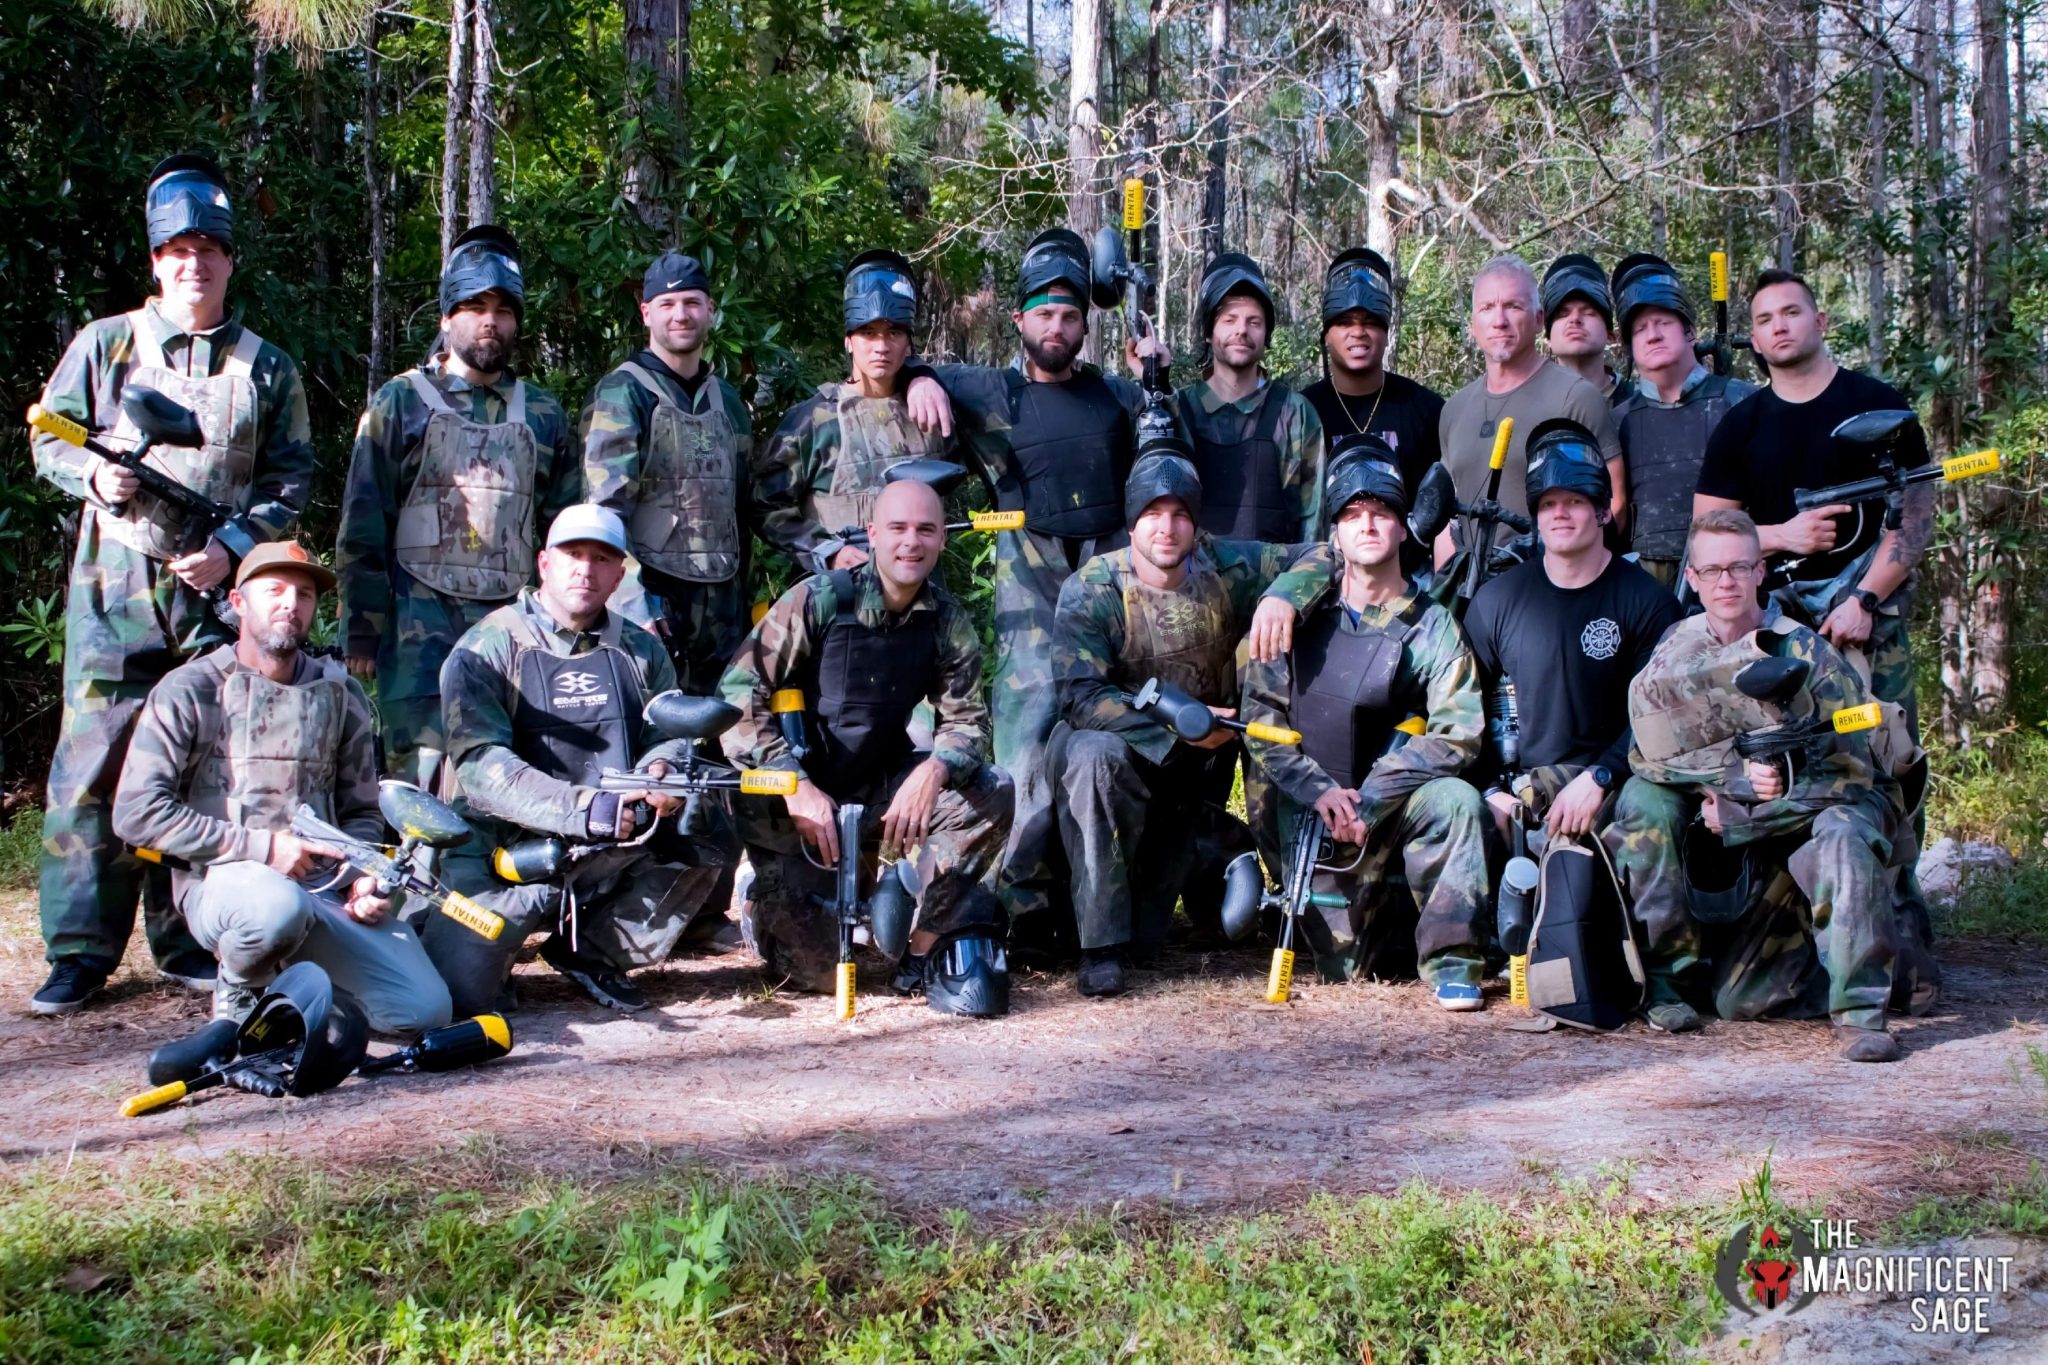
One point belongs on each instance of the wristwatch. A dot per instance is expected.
(1867, 599)
(1603, 776)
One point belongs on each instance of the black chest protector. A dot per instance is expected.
(868, 683)
(1070, 451)
(1344, 699)
(1243, 497)
(1665, 447)
(577, 715)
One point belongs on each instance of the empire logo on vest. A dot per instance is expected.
(576, 691)
(1601, 639)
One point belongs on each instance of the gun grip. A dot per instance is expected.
(136, 1105)
(844, 995)
(1280, 977)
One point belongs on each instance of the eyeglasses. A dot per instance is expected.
(1714, 573)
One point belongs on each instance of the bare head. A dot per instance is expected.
(1725, 564)
(906, 533)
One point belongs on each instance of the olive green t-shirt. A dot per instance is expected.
(1472, 414)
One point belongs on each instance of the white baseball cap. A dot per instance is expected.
(588, 521)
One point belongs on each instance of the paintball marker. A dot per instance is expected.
(1192, 721)
(421, 822)
(161, 421)
(1120, 273)
(888, 911)
(1881, 433)
(1778, 681)
(1719, 346)
(943, 476)
(1478, 557)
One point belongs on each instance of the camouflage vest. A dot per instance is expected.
(686, 523)
(222, 469)
(466, 528)
(1684, 704)
(1186, 635)
(874, 433)
(278, 746)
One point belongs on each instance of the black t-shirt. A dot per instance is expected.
(1406, 417)
(1766, 447)
(1571, 653)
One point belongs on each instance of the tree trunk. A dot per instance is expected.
(1784, 201)
(1660, 231)
(1084, 135)
(1873, 280)
(1936, 323)
(483, 117)
(373, 197)
(657, 42)
(451, 124)
(1216, 201)
(1988, 509)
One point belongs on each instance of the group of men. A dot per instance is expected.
(1237, 540)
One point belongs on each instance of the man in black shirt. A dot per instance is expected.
(1360, 395)
(1566, 633)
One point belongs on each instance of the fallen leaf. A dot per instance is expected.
(1122, 1128)
(85, 1279)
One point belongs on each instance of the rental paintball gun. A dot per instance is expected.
(1799, 742)
(1192, 721)
(1719, 346)
(943, 476)
(421, 822)
(888, 911)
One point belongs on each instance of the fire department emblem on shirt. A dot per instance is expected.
(1600, 639)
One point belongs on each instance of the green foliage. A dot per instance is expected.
(37, 630)
(21, 850)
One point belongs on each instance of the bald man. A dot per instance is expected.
(863, 646)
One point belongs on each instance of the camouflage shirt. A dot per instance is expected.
(1299, 434)
(1091, 631)
(182, 724)
(479, 692)
(1435, 668)
(87, 384)
(384, 463)
(778, 654)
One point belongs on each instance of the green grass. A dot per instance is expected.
(2001, 904)
(21, 844)
(466, 1257)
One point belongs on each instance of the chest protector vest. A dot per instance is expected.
(466, 527)
(279, 746)
(1070, 450)
(874, 433)
(222, 469)
(868, 682)
(1584, 966)
(686, 522)
(1344, 700)
(1684, 704)
(576, 714)
(1186, 636)
(1239, 461)
(1665, 447)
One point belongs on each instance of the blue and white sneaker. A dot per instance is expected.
(1459, 995)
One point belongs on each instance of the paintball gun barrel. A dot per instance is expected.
(888, 911)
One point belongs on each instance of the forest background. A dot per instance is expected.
(1891, 150)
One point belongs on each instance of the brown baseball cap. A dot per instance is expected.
(274, 555)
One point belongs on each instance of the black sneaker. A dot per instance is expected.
(194, 969)
(910, 974)
(1102, 972)
(607, 987)
(73, 981)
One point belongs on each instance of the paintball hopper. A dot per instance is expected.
(1176, 710)
(1776, 681)
(943, 475)
(892, 906)
(420, 819)
(675, 715)
(1881, 426)
(184, 1058)
(1436, 502)
(161, 420)
(1109, 268)
(1244, 892)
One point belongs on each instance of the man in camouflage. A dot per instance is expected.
(229, 746)
(1369, 654)
(1133, 799)
(456, 465)
(822, 469)
(137, 603)
(862, 647)
(1808, 924)
(539, 698)
(1054, 437)
(668, 446)
(1667, 414)
(1256, 443)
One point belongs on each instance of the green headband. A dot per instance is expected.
(1051, 294)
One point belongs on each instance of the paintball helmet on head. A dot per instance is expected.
(1230, 274)
(1359, 280)
(880, 288)
(1645, 281)
(188, 193)
(482, 259)
(1576, 276)
(1056, 262)
(1565, 457)
(1161, 476)
(1364, 466)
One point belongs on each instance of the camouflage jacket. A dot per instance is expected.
(87, 384)
(384, 463)
(1090, 632)
(1299, 436)
(182, 725)
(779, 651)
(1845, 774)
(1435, 666)
(479, 693)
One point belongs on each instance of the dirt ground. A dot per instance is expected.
(1188, 1091)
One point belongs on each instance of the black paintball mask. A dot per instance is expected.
(1565, 456)
(188, 193)
(880, 287)
(1576, 276)
(1158, 476)
(482, 259)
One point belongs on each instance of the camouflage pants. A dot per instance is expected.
(632, 905)
(705, 624)
(1439, 835)
(127, 623)
(425, 626)
(1917, 977)
(1643, 840)
(1819, 912)
(1024, 703)
(800, 935)
(1131, 828)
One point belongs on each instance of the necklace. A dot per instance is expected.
(1344, 402)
